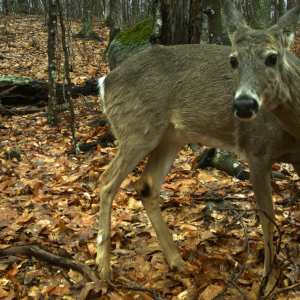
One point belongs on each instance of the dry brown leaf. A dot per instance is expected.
(134, 204)
(211, 292)
(92, 249)
(61, 290)
(25, 217)
(189, 227)
(13, 271)
(115, 296)
(3, 293)
(35, 185)
(206, 235)
(75, 276)
(297, 215)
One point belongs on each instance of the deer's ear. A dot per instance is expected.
(287, 25)
(234, 20)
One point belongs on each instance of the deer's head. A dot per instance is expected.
(259, 58)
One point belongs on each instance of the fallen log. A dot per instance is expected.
(225, 161)
(24, 91)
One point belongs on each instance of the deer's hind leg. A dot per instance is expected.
(159, 163)
(129, 155)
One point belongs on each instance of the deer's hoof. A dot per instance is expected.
(104, 272)
(183, 267)
(103, 268)
(177, 264)
(269, 281)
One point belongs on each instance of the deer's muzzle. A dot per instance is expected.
(245, 107)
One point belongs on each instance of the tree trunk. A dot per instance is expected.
(291, 4)
(182, 21)
(195, 22)
(279, 8)
(52, 30)
(87, 19)
(215, 30)
(135, 9)
(106, 4)
(114, 18)
(22, 6)
(67, 83)
(5, 7)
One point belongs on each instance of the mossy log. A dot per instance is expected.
(129, 42)
(228, 163)
(24, 91)
(224, 161)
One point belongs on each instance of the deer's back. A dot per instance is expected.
(180, 85)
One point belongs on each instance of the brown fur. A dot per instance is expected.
(165, 97)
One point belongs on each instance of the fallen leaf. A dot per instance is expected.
(61, 290)
(25, 217)
(92, 249)
(75, 276)
(211, 292)
(3, 293)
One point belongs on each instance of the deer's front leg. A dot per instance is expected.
(104, 233)
(260, 173)
(124, 162)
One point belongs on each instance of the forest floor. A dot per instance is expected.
(49, 198)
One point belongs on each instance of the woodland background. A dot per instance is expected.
(55, 142)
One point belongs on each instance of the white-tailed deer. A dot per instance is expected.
(165, 97)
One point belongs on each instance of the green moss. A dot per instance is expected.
(138, 34)
(11, 79)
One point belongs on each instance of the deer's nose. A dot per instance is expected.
(245, 107)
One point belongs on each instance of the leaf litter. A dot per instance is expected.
(50, 198)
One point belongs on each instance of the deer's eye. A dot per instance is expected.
(234, 62)
(271, 60)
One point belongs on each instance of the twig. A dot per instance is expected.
(153, 293)
(266, 278)
(234, 284)
(35, 251)
(96, 285)
(234, 277)
(256, 210)
(286, 289)
(243, 267)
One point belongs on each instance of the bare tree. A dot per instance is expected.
(87, 19)
(125, 13)
(5, 5)
(181, 21)
(67, 78)
(279, 9)
(52, 32)
(195, 26)
(291, 4)
(215, 29)
(114, 18)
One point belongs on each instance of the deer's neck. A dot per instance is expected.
(288, 112)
